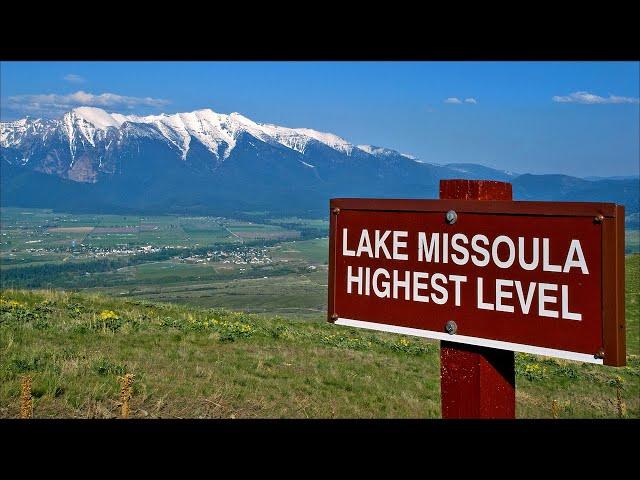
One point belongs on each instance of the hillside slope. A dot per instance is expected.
(202, 363)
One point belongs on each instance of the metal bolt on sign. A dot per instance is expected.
(451, 327)
(451, 217)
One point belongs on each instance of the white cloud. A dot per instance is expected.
(73, 78)
(52, 104)
(457, 101)
(591, 99)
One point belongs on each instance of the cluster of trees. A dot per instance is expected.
(55, 274)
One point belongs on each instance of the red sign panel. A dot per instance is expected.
(537, 277)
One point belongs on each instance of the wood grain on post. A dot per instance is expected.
(476, 382)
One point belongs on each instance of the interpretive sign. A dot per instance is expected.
(537, 277)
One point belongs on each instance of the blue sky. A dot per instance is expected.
(577, 118)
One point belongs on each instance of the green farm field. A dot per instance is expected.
(23, 229)
(43, 249)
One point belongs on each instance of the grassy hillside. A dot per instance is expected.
(200, 363)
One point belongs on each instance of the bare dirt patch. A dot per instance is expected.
(267, 235)
(116, 230)
(70, 229)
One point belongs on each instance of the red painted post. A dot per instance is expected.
(476, 382)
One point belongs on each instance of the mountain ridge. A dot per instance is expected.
(206, 162)
(211, 129)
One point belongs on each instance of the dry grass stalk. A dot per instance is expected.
(26, 401)
(125, 393)
(620, 406)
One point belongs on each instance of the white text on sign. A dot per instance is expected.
(503, 295)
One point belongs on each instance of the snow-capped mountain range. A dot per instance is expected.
(86, 128)
(208, 162)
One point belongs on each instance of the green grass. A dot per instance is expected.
(201, 363)
(286, 367)
(295, 285)
(632, 303)
(301, 297)
(294, 295)
(312, 251)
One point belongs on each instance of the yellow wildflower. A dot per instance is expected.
(11, 303)
(108, 315)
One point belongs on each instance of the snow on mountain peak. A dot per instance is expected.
(298, 138)
(328, 139)
(217, 132)
(370, 149)
(99, 118)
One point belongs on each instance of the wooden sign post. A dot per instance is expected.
(485, 275)
(476, 382)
